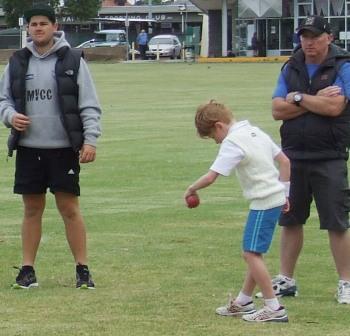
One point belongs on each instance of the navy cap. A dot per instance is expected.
(315, 24)
(41, 10)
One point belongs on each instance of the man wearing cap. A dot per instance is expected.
(55, 122)
(311, 98)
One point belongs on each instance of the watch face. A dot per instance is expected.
(298, 98)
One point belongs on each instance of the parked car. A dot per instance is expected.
(106, 38)
(167, 45)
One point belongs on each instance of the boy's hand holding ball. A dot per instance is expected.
(192, 201)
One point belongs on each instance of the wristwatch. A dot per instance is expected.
(298, 97)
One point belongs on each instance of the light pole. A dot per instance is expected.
(183, 10)
(127, 24)
(23, 32)
(150, 16)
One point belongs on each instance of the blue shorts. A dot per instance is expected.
(259, 229)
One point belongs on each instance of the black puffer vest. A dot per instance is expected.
(66, 69)
(311, 136)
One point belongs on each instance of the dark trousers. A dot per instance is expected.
(142, 49)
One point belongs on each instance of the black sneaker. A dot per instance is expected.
(84, 279)
(26, 278)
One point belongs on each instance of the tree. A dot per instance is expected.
(14, 9)
(82, 9)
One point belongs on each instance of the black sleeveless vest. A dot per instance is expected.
(66, 70)
(312, 136)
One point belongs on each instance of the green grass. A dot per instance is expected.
(160, 268)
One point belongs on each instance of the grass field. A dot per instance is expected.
(160, 268)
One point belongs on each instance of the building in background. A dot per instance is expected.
(172, 17)
(232, 23)
(223, 27)
(176, 17)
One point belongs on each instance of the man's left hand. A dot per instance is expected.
(330, 91)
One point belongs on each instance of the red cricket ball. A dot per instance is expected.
(192, 201)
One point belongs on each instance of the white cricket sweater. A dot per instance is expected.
(256, 170)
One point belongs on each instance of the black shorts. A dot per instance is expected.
(327, 183)
(39, 169)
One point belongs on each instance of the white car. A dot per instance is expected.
(106, 38)
(165, 45)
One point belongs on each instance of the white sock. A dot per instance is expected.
(272, 303)
(243, 299)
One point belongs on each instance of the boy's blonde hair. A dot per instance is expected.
(210, 113)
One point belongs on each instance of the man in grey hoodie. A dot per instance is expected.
(48, 99)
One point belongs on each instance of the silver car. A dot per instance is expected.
(165, 45)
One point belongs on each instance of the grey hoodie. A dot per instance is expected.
(42, 107)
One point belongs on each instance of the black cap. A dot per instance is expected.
(42, 10)
(315, 24)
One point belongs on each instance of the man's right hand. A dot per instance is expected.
(20, 122)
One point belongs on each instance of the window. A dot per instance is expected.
(337, 7)
(305, 7)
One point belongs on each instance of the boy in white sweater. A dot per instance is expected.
(252, 154)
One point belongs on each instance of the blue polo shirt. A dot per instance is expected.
(142, 38)
(342, 80)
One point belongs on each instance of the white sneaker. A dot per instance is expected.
(266, 314)
(235, 309)
(282, 287)
(343, 292)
